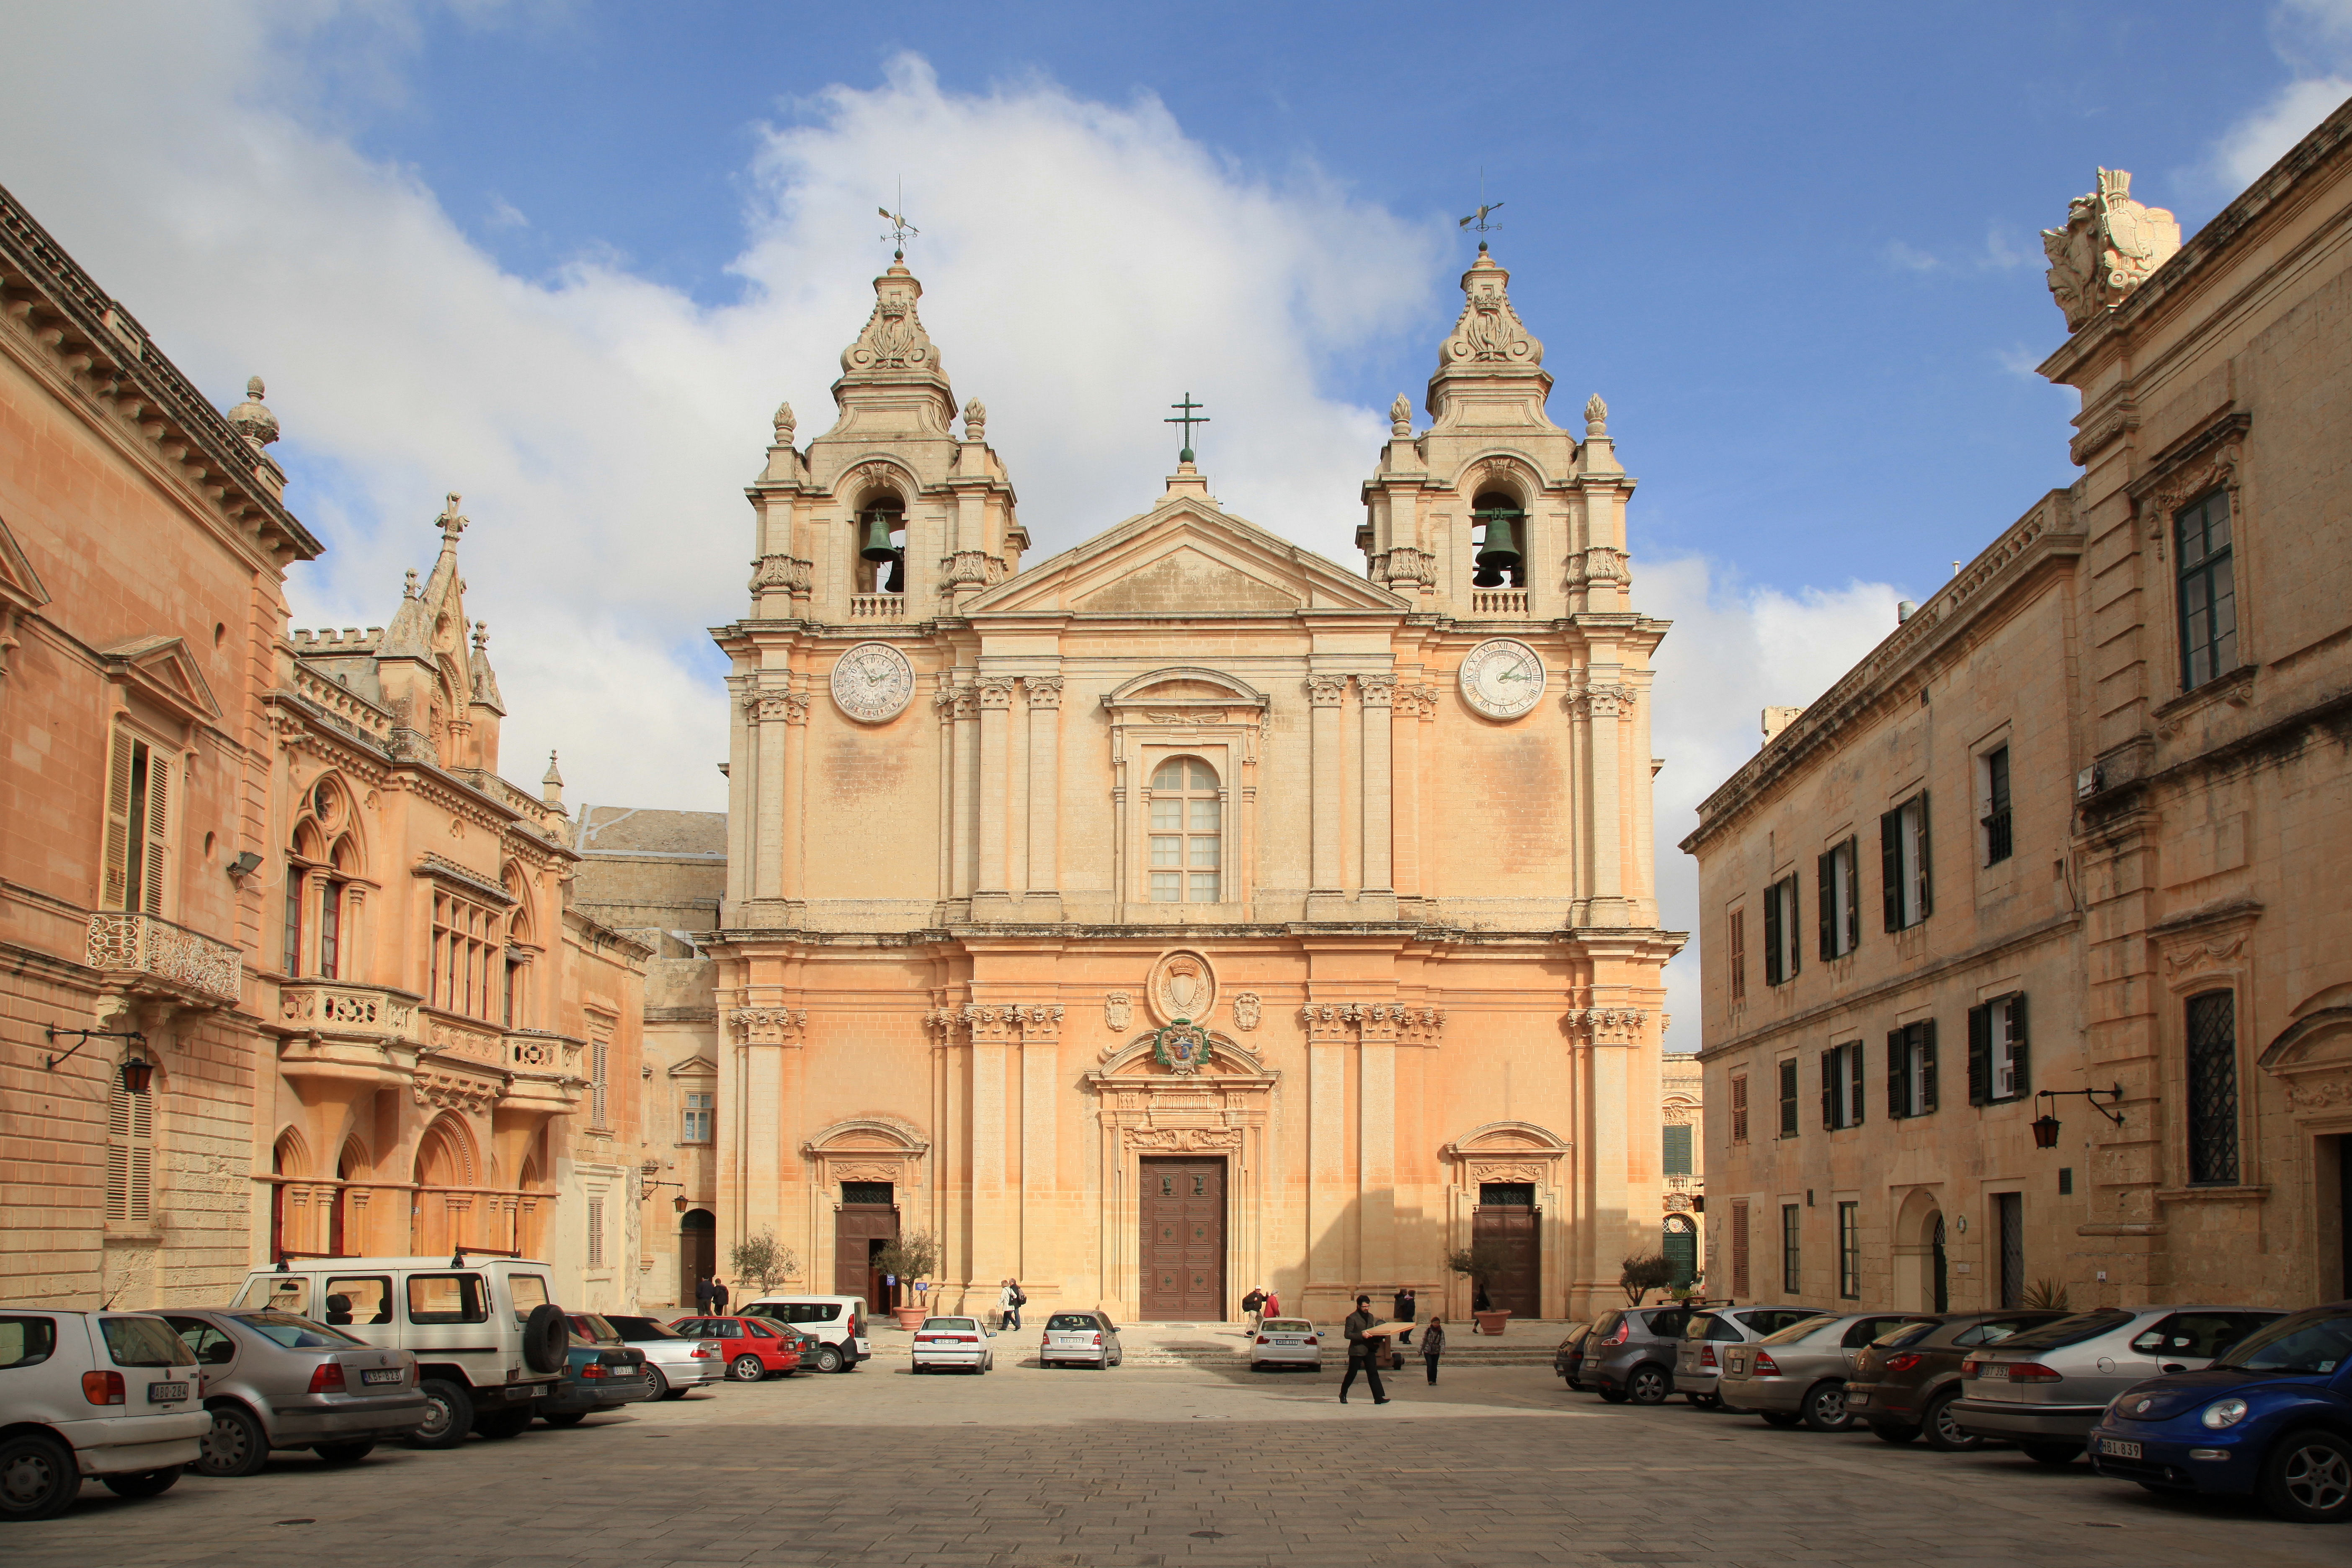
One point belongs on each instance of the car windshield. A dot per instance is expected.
(1802, 1328)
(2301, 1344)
(1072, 1322)
(1286, 1326)
(2067, 1331)
(290, 1332)
(967, 1324)
(1907, 1334)
(144, 1341)
(589, 1325)
(643, 1329)
(278, 1292)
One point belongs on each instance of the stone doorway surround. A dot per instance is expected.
(1146, 1109)
(861, 1149)
(1510, 1151)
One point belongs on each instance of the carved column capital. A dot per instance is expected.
(1607, 701)
(995, 690)
(1043, 690)
(780, 572)
(1379, 691)
(1326, 690)
(768, 1026)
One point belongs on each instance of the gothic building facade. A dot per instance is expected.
(1187, 911)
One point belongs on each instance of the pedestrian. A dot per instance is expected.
(1433, 1345)
(1253, 1305)
(1271, 1306)
(717, 1296)
(1363, 1352)
(702, 1295)
(1009, 1302)
(1402, 1309)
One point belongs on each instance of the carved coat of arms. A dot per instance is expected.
(1182, 1048)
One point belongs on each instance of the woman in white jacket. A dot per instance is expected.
(1009, 1301)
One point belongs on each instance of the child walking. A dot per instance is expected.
(1433, 1345)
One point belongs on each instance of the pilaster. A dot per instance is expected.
(1327, 897)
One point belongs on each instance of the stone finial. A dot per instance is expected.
(252, 418)
(1596, 416)
(1400, 416)
(450, 523)
(785, 424)
(482, 636)
(408, 589)
(2110, 245)
(893, 338)
(975, 420)
(1490, 334)
(551, 784)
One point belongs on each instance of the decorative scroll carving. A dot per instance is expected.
(1489, 332)
(780, 572)
(893, 338)
(2320, 1094)
(153, 949)
(2110, 245)
(1602, 563)
(1406, 564)
(995, 691)
(1183, 1139)
(1605, 1025)
(346, 1008)
(1326, 690)
(967, 568)
(453, 1039)
(1181, 985)
(1378, 690)
(1607, 701)
(1042, 691)
(454, 1091)
(768, 1026)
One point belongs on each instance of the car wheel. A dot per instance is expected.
(448, 1414)
(827, 1359)
(38, 1479)
(2053, 1453)
(237, 1445)
(2307, 1478)
(342, 1453)
(1779, 1417)
(498, 1426)
(1613, 1395)
(144, 1483)
(1649, 1385)
(1824, 1408)
(1943, 1431)
(657, 1382)
(1895, 1433)
(562, 1418)
(746, 1369)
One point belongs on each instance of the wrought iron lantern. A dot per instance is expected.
(138, 1072)
(2045, 1132)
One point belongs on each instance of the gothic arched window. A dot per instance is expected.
(1187, 831)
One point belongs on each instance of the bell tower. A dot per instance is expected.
(1495, 513)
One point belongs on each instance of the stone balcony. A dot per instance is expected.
(146, 955)
(332, 1007)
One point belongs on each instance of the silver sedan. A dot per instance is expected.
(1799, 1373)
(675, 1365)
(273, 1380)
(1079, 1339)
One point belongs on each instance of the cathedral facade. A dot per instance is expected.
(1189, 912)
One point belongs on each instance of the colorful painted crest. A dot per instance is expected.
(1182, 1048)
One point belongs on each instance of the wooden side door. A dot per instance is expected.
(858, 1231)
(1183, 1240)
(1507, 1215)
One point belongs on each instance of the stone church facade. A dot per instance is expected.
(1188, 912)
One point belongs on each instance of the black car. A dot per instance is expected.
(1569, 1359)
(600, 1374)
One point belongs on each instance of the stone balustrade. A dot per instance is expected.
(877, 606)
(152, 954)
(1501, 603)
(333, 1007)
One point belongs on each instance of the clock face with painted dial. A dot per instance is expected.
(1503, 678)
(871, 682)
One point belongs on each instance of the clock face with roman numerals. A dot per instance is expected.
(1502, 678)
(871, 682)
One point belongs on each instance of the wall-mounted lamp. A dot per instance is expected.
(138, 1072)
(82, 1037)
(244, 866)
(649, 1187)
(2045, 1126)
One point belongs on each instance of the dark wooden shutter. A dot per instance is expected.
(1925, 870)
(1854, 1080)
(1853, 848)
(1829, 1088)
(1926, 1064)
(1890, 866)
(1980, 1055)
(116, 892)
(1772, 975)
(1823, 870)
(2016, 1006)
(1898, 1103)
(1791, 922)
(155, 857)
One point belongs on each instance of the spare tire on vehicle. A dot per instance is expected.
(546, 1338)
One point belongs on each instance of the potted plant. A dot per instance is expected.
(908, 1259)
(1478, 1263)
(1643, 1274)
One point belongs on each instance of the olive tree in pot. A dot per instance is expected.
(1644, 1275)
(763, 1261)
(1478, 1263)
(908, 1259)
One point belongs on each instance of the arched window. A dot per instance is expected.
(1500, 554)
(881, 565)
(1187, 833)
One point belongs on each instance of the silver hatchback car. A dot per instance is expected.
(273, 1380)
(1698, 1362)
(1799, 1373)
(2044, 1389)
(1079, 1339)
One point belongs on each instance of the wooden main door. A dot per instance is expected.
(1507, 1218)
(1184, 1251)
(697, 1253)
(859, 1231)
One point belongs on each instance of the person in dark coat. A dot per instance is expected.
(1433, 1345)
(1253, 1305)
(1363, 1352)
(702, 1295)
(1403, 1311)
(717, 1296)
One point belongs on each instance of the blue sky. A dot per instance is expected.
(565, 257)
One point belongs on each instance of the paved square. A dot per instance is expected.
(1179, 1466)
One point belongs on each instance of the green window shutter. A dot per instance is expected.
(1890, 868)
(1682, 1252)
(1928, 1063)
(1772, 975)
(2024, 1052)
(1897, 1102)
(1793, 921)
(1852, 848)
(1926, 866)
(1826, 906)
(1829, 1088)
(1980, 1055)
(1854, 1081)
(1678, 1149)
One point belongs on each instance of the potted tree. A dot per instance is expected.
(908, 1259)
(1643, 1274)
(1478, 1263)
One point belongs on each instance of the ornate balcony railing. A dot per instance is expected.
(877, 606)
(154, 954)
(537, 1048)
(332, 1007)
(1508, 603)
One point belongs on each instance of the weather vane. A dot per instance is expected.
(1189, 418)
(899, 228)
(1478, 221)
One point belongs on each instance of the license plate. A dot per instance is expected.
(1738, 1363)
(1856, 1401)
(2118, 1448)
(385, 1374)
(160, 1392)
(1993, 1372)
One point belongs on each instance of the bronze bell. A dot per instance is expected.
(1500, 553)
(897, 584)
(877, 546)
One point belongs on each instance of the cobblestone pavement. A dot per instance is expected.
(1180, 1467)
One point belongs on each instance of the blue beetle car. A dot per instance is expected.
(2270, 1417)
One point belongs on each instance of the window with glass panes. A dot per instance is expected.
(2208, 589)
(698, 1105)
(1187, 833)
(468, 942)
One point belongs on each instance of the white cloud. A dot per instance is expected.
(1732, 652)
(602, 428)
(2314, 37)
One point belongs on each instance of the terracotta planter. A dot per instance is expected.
(910, 1316)
(1491, 1323)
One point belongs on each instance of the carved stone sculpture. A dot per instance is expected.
(785, 423)
(1246, 1010)
(1400, 416)
(2110, 245)
(1489, 332)
(975, 420)
(1118, 1011)
(1596, 416)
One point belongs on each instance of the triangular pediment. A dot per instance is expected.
(163, 669)
(694, 1066)
(20, 585)
(1186, 557)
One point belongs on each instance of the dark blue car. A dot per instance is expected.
(2270, 1417)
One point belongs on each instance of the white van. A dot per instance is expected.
(488, 1337)
(838, 1322)
(110, 1394)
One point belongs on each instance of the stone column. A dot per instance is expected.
(1045, 694)
(1379, 692)
(995, 1216)
(1325, 897)
(1603, 706)
(943, 705)
(771, 1035)
(742, 799)
(1330, 1192)
(769, 711)
(1376, 1135)
(1046, 1249)
(792, 795)
(966, 812)
(993, 815)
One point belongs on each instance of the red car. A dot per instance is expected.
(752, 1346)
